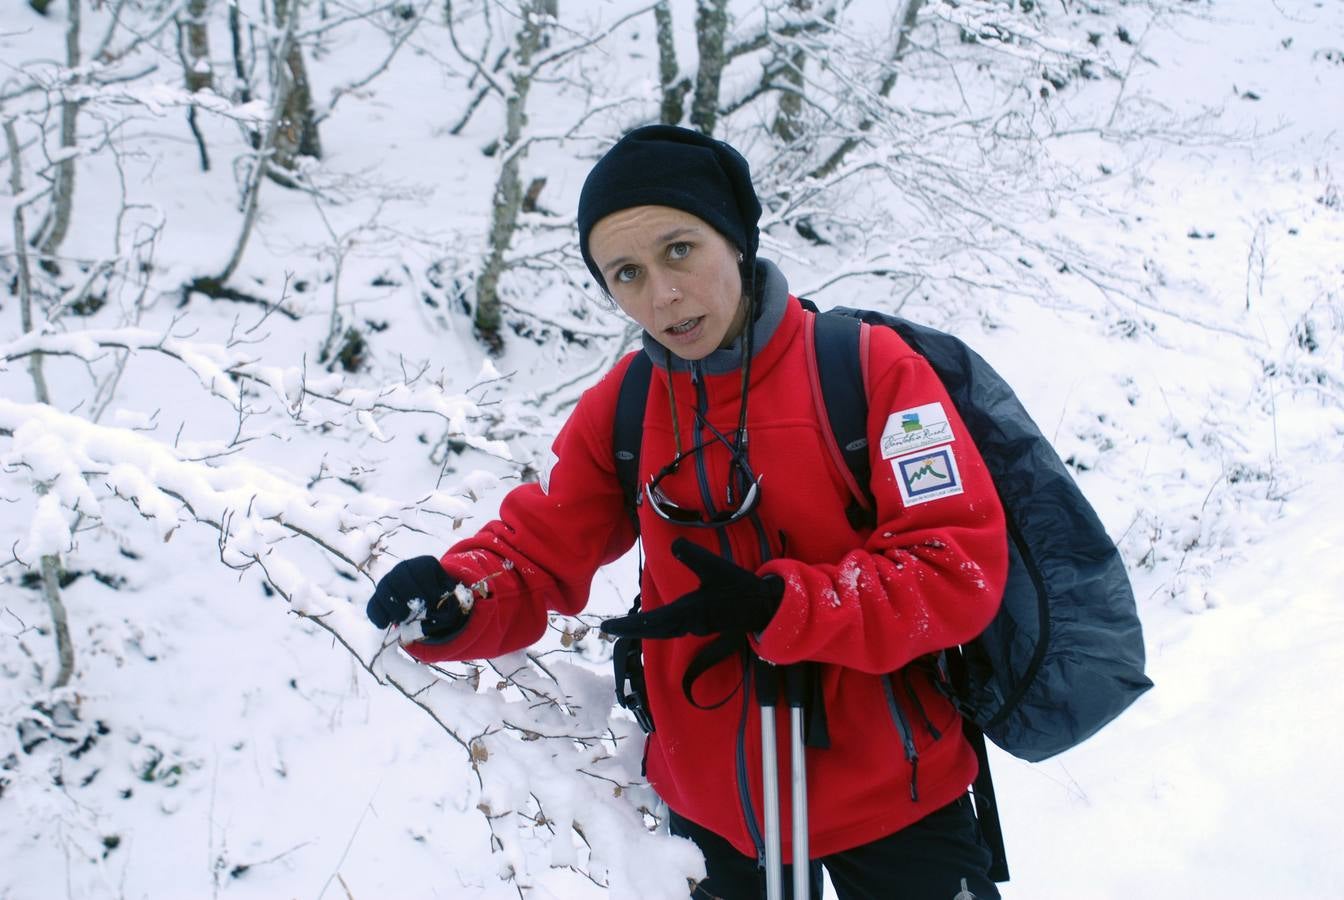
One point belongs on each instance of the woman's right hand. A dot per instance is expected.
(417, 589)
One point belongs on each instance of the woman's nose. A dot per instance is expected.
(665, 291)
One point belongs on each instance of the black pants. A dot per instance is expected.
(924, 861)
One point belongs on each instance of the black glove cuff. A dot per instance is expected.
(443, 636)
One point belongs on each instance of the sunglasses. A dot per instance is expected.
(669, 511)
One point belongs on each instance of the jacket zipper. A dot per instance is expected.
(701, 472)
(907, 737)
(743, 792)
(726, 551)
(919, 707)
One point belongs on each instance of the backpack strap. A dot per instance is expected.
(627, 433)
(836, 363)
(952, 665)
(627, 430)
(986, 805)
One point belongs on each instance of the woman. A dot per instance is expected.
(742, 515)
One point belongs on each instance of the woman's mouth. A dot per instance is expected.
(684, 327)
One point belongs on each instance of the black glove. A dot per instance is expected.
(423, 579)
(730, 600)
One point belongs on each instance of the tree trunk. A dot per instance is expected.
(711, 25)
(194, 49)
(674, 90)
(239, 66)
(552, 10)
(508, 196)
(63, 191)
(24, 281)
(788, 124)
(790, 109)
(65, 648)
(297, 135)
(265, 143)
(908, 22)
(51, 565)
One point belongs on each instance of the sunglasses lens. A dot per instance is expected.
(668, 510)
(749, 501)
(744, 508)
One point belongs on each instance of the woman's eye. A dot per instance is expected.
(679, 250)
(626, 274)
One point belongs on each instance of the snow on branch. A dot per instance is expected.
(158, 97)
(220, 368)
(557, 768)
(558, 771)
(258, 507)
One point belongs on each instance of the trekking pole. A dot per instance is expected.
(796, 679)
(767, 691)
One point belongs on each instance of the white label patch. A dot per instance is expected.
(544, 476)
(915, 429)
(927, 475)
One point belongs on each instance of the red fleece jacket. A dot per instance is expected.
(929, 576)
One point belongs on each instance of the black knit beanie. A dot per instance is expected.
(663, 165)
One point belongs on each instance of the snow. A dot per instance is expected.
(1215, 778)
(241, 730)
(48, 534)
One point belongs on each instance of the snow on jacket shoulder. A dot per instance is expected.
(864, 605)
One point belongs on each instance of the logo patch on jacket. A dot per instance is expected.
(927, 475)
(915, 429)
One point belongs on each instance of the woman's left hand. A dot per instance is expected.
(730, 600)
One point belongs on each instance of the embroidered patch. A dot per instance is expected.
(915, 429)
(927, 475)
(544, 476)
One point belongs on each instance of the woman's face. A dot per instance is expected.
(673, 274)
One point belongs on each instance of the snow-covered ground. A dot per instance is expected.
(227, 747)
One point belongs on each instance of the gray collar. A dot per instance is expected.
(774, 298)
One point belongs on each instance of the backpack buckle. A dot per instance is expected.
(628, 660)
